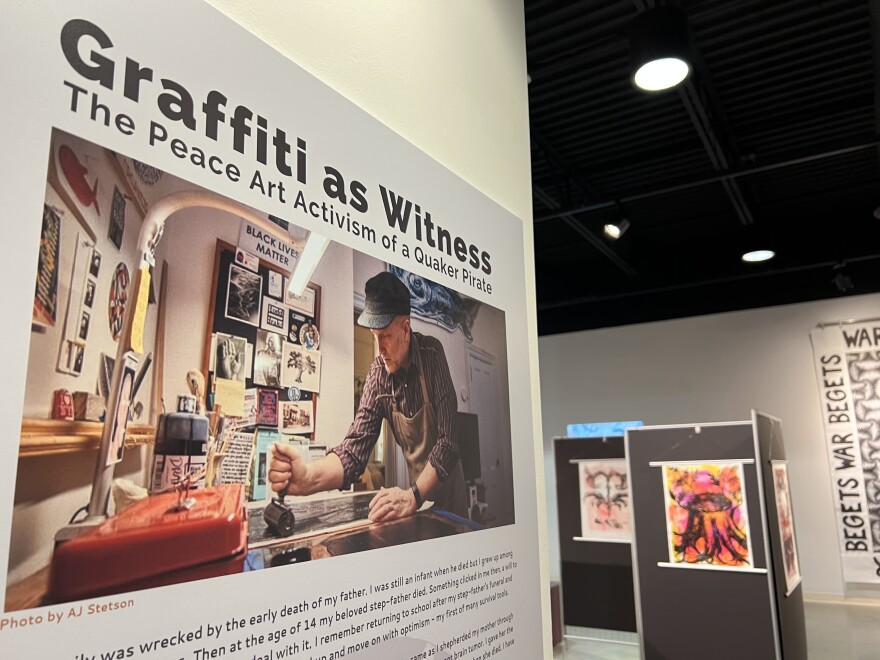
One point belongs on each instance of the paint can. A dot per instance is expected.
(181, 450)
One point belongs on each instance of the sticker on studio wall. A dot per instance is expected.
(89, 299)
(117, 218)
(276, 285)
(243, 296)
(118, 298)
(75, 173)
(301, 368)
(95, 264)
(46, 293)
(295, 322)
(297, 416)
(230, 359)
(248, 260)
(147, 174)
(309, 336)
(274, 317)
(267, 361)
(84, 321)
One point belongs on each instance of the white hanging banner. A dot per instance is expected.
(848, 373)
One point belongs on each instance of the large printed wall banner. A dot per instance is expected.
(272, 237)
(848, 373)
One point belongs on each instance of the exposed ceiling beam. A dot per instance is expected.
(575, 59)
(559, 162)
(698, 98)
(709, 138)
(693, 284)
(733, 174)
(573, 178)
(585, 233)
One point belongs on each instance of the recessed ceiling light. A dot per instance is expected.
(661, 74)
(758, 255)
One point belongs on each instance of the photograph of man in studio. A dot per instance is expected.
(409, 385)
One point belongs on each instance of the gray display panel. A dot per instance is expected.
(698, 612)
(790, 606)
(597, 582)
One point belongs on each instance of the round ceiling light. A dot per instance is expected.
(659, 46)
(616, 230)
(758, 255)
(612, 231)
(664, 73)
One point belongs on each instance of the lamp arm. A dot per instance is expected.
(130, 340)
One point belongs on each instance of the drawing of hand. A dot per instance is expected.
(231, 360)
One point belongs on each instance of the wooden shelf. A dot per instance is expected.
(29, 593)
(40, 437)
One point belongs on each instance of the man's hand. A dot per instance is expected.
(391, 504)
(288, 469)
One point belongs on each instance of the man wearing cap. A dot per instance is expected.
(409, 385)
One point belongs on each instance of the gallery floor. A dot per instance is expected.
(834, 631)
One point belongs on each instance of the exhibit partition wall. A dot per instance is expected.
(706, 561)
(200, 223)
(592, 495)
(781, 532)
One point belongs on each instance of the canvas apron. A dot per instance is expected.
(417, 436)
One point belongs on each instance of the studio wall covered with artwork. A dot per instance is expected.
(88, 251)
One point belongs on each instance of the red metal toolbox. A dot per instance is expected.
(152, 544)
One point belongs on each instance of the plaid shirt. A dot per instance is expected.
(403, 386)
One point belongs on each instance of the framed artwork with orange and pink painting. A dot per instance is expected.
(706, 518)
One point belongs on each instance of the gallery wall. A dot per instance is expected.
(711, 369)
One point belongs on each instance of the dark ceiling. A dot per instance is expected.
(774, 137)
